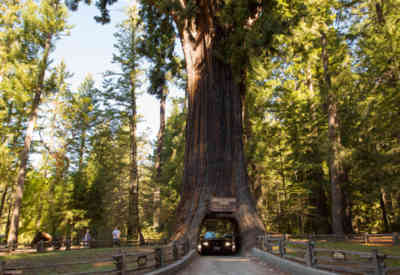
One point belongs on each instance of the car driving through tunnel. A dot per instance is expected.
(218, 236)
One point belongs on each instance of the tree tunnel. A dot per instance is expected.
(219, 234)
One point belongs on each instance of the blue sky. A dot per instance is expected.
(89, 49)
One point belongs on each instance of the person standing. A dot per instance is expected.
(116, 234)
(86, 238)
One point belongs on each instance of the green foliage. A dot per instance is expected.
(287, 112)
(172, 169)
(29, 31)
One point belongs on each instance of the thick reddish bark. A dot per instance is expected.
(214, 157)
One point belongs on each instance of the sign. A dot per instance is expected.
(339, 255)
(222, 204)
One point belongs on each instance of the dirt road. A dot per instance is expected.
(229, 265)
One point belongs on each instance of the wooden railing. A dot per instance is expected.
(330, 259)
(42, 246)
(392, 238)
(121, 263)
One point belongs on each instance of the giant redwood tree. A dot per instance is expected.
(218, 37)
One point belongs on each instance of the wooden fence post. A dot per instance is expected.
(269, 247)
(158, 257)
(310, 257)
(395, 238)
(68, 244)
(175, 251)
(366, 238)
(120, 263)
(282, 249)
(2, 267)
(379, 262)
(187, 245)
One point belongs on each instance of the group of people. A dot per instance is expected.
(116, 236)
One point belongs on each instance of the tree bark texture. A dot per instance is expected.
(158, 162)
(335, 165)
(214, 162)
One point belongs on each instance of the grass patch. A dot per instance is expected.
(388, 250)
(99, 259)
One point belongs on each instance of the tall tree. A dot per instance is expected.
(158, 47)
(158, 162)
(172, 170)
(82, 115)
(44, 28)
(217, 38)
(122, 93)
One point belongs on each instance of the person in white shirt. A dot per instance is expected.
(116, 234)
(87, 238)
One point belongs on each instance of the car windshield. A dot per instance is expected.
(214, 228)
(209, 235)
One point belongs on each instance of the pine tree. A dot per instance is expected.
(42, 29)
(122, 95)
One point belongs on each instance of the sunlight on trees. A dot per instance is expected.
(319, 95)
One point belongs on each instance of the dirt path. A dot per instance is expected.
(229, 265)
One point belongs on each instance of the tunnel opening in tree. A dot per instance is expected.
(219, 234)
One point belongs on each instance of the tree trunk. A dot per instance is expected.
(133, 214)
(8, 218)
(24, 156)
(335, 165)
(3, 199)
(318, 200)
(382, 201)
(214, 164)
(158, 163)
(19, 188)
(82, 147)
(348, 214)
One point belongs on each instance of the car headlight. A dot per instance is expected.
(205, 243)
(228, 243)
(199, 247)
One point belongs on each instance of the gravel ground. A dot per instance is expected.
(229, 265)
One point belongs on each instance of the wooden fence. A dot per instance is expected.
(42, 246)
(392, 238)
(122, 263)
(330, 259)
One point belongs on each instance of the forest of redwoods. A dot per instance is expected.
(321, 122)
